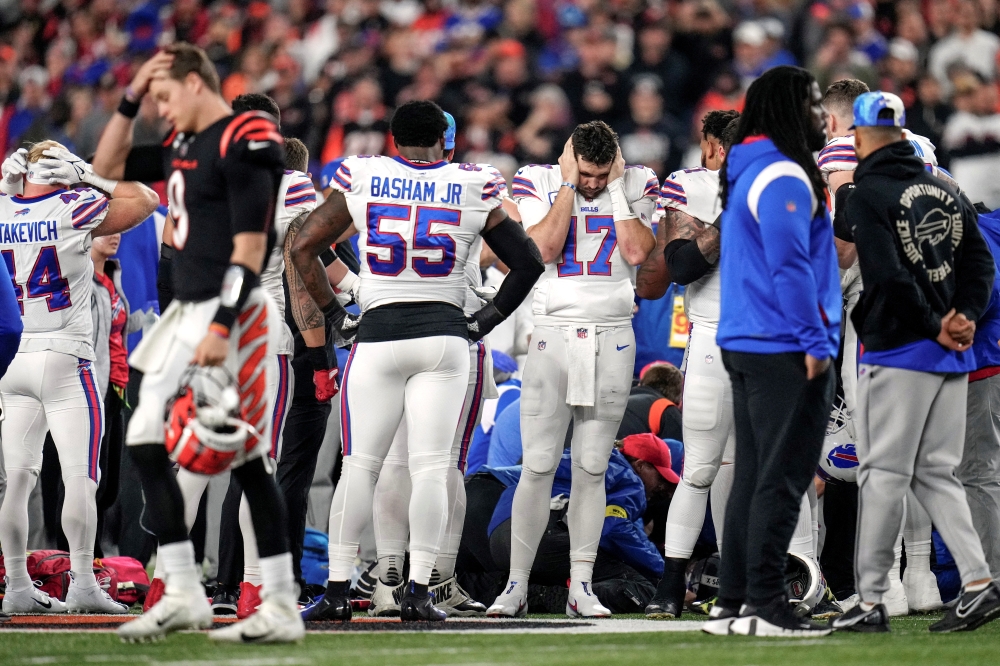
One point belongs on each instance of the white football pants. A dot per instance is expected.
(545, 417)
(425, 379)
(48, 391)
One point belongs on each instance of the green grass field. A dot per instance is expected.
(909, 643)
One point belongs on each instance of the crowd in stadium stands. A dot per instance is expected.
(517, 75)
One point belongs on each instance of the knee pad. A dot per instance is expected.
(540, 462)
(435, 463)
(697, 488)
(592, 463)
(699, 477)
(74, 471)
(363, 464)
(703, 401)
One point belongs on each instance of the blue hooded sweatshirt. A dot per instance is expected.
(780, 283)
(985, 345)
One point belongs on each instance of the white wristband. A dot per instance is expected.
(620, 208)
(100, 182)
(349, 283)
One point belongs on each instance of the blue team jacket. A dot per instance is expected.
(622, 535)
(780, 284)
(985, 345)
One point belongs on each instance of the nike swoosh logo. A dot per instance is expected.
(47, 604)
(962, 611)
(622, 347)
(253, 639)
(257, 145)
(90, 198)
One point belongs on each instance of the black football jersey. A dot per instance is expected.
(221, 181)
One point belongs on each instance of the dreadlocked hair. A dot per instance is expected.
(775, 107)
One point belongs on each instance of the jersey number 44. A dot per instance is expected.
(45, 280)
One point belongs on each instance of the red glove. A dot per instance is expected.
(326, 384)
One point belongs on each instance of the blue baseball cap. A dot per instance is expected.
(449, 134)
(878, 109)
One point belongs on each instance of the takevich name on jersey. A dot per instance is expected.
(29, 231)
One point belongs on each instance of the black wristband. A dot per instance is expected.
(318, 358)
(237, 284)
(334, 313)
(128, 108)
(327, 256)
(167, 252)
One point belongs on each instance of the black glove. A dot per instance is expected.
(483, 321)
(340, 320)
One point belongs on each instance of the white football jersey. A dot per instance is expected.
(838, 154)
(296, 195)
(46, 243)
(417, 225)
(590, 283)
(696, 192)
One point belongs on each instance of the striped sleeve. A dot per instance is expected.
(672, 191)
(90, 209)
(652, 188)
(495, 188)
(523, 186)
(341, 179)
(838, 155)
(300, 191)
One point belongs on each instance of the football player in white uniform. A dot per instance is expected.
(392, 492)
(418, 217)
(45, 239)
(591, 217)
(917, 590)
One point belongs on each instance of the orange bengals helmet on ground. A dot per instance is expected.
(204, 433)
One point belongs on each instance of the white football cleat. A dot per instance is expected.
(385, 599)
(895, 599)
(179, 608)
(277, 620)
(850, 602)
(719, 621)
(92, 599)
(922, 594)
(582, 602)
(456, 602)
(30, 602)
(512, 602)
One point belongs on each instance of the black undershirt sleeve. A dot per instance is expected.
(841, 229)
(685, 262)
(512, 246)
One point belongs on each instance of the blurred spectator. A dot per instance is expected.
(541, 138)
(252, 75)
(929, 114)
(361, 126)
(750, 51)
(967, 45)
(972, 139)
(103, 105)
(777, 54)
(293, 105)
(32, 105)
(910, 26)
(512, 79)
(651, 136)
(868, 40)
(595, 90)
(654, 55)
(940, 18)
(838, 59)
(901, 68)
(726, 94)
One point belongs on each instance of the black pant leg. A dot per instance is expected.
(482, 492)
(231, 536)
(135, 537)
(788, 416)
(109, 461)
(267, 507)
(840, 515)
(305, 428)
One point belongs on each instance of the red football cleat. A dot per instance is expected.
(249, 600)
(153, 595)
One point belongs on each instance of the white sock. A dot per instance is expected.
(179, 568)
(18, 579)
(802, 538)
(685, 519)
(390, 569)
(79, 523)
(276, 575)
(978, 587)
(721, 487)
(251, 558)
(251, 574)
(421, 565)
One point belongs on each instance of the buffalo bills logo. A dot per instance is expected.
(843, 457)
(69, 196)
(23, 211)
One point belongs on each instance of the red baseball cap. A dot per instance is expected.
(650, 448)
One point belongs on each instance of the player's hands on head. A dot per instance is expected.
(61, 167)
(212, 350)
(13, 170)
(140, 82)
(567, 164)
(617, 167)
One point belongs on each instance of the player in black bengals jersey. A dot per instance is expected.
(224, 173)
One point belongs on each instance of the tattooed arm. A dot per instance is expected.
(651, 278)
(675, 231)
(320, 230)
(306, 314)
(683, 226)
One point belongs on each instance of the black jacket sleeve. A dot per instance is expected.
(974, 269)
(882, 269)
(841, 228)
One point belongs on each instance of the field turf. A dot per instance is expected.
(909, 643)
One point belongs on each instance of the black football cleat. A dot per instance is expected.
(331, 608)
(415, 607)
(857, 619)
(668, 602)
(973, 610)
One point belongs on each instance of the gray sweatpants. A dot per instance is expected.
(980, 468)
(911, 431)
